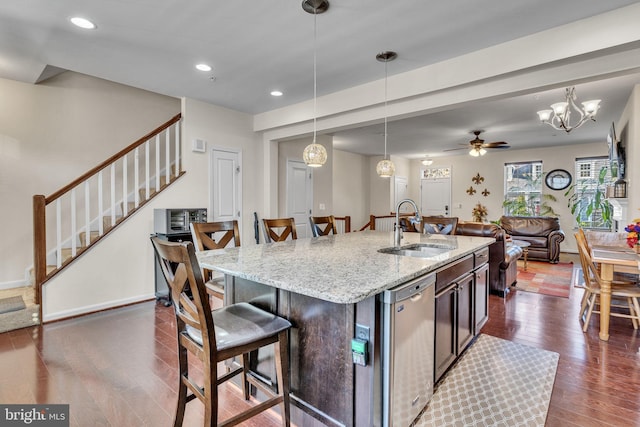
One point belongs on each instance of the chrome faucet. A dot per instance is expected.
(396, 227)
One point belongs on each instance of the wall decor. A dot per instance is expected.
(485, 192)
(471, 191)
(435, 173)
(478, 179)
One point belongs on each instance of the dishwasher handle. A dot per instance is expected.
(416, 297)
(409, 289)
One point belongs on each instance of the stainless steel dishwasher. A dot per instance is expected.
(407, 359)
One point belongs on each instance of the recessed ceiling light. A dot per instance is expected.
(203, 67)
(276, 93)
(82, 23)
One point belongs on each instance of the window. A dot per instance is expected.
(588, 203)
(523, 188)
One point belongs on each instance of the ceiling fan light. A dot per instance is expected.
(474, 152)
(314, 155)
(385, 168)
(482, 151)
(591, 107)
(544, 115)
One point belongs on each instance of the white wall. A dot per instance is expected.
(53, 132)
(629, 127)
(351, 187)
(322, 176)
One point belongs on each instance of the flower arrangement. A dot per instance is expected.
(633, 230)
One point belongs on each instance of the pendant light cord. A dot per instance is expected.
(315, 84)
(385, 109)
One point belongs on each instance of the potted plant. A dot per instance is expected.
(526, 206)
(590, 197)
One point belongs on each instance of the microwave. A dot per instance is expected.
(176, 221)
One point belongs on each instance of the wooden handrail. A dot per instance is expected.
(112, 159)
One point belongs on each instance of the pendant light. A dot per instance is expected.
(314, 154)
(385, 167)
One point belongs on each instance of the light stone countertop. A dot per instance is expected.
(344, 268)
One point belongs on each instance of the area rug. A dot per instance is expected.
(545, 278)
(10, 304)
(495, 382)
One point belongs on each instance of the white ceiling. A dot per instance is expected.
(255, 47)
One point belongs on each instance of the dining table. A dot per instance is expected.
(612, 259)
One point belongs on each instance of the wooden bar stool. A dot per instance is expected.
(214, 235)
(278, 229)
(328, 223)
(212, 337)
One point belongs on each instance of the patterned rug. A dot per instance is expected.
(495, 383)
(545, 278)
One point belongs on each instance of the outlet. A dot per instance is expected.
(322, 206)
(362, 332)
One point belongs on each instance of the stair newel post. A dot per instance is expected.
(39, 245)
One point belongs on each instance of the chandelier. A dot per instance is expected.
(314, 154)
(559, 117)
(385, 167)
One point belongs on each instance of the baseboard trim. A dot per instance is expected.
(14, 284)
(61, 315)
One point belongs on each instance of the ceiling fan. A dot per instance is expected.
(478, 146)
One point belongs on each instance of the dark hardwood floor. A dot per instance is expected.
(118, 368)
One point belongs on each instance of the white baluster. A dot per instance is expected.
(100, 205)
(113, 194)
(125, 208)
(74, 233)
(136, 184)
(176, 161)
(147, 177)
(157, 163)
(59, 233)
(87, 216)
(167, 155)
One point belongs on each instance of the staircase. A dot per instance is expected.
(70, 221)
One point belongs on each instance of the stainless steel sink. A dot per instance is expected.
(419, 250)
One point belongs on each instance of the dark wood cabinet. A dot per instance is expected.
(465, 321)
(454, 328)
(445, 349)
(481, 297)
(461, 308)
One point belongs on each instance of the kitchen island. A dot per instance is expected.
(326, 286)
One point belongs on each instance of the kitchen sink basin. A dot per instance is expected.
(418, 250)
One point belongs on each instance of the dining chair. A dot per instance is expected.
(439, 224)
(592, 282)
(278, 229)
(232, 331)
(214, 235)
(328, 223)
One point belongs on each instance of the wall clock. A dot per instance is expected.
(558, 179)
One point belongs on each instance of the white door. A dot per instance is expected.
(400, 193)
(299, 195)
(226, 186)
(435, 196)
